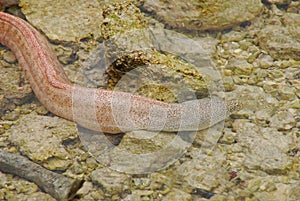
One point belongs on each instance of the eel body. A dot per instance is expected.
(97, 109)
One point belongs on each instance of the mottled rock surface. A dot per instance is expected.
(68, 23)
(203, 15)
(20, 189)
(104, 177)
(282, 41)
(40, 137)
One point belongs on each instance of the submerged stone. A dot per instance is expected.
(64, 20)
(43, 145)
(282, 41)
(203, 15)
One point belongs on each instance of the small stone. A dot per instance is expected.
(115, 197)
(270, 87)
(95, 195)
(262, 117)
(257, 77)
(57, 163)
(145, 151)
(227, 72)
(9, 57)
(160, 181)
(64, 54)
(228, 83)
(151, 141)
(2, 130)
(85, 189)
(41, 110)
(229, 137)
(110, 180)
(38, 137)
(294, 104)
(266, 148)
(12, 116)
(91, 163)
(203, 171)
(240, 67)
(294, 7)
(177, 194)
(141, 183)
(265, 61)
(283, 120)
(271, 189)
(139, 195)
(253, 99)
(234, 36)
(244, 44)
(285, 92)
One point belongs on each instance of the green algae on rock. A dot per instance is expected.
(159, 76)
(150, 58)
(121, 17)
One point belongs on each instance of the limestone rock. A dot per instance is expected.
(111, 181)
(282, 42)
(64, 20)
(40, 138)
(204, 15)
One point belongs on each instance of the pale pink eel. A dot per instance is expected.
(97, 109)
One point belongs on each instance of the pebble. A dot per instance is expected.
(9, 57)
(283, 120)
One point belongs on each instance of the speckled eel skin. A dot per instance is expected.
(95, 109)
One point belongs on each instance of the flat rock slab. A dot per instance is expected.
(40, 139)
(203, 15)
(64, 20)
(282, 41)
